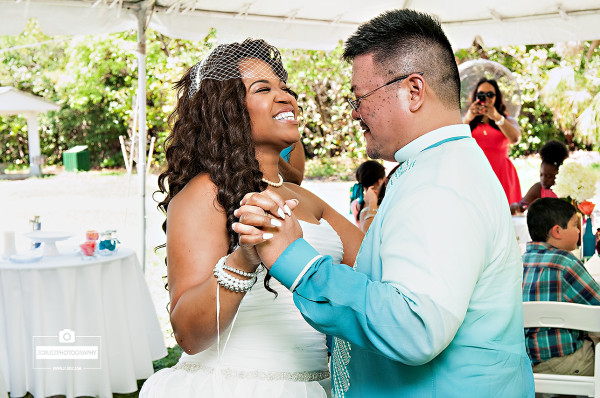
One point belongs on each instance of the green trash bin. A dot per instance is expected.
(77, 158)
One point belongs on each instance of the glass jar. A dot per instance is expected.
(108, 243)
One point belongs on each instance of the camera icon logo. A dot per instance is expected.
(66, 336)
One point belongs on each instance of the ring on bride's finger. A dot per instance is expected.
(266, 214)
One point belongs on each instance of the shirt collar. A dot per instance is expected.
(426, 140)
(539, 246)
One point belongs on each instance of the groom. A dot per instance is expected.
(421, 314)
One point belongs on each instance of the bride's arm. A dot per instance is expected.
(196, 239)
(348, 232)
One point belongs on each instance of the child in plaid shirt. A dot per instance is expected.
(552, 273)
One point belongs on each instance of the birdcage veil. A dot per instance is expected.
(223, 63)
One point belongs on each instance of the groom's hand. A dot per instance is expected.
(267, 221)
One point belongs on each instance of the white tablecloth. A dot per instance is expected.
(522, 232)
(103, 303)
(593, 267)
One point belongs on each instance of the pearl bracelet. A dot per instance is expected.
(240, 272)
(230, 282)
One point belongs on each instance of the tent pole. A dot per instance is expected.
(33, 137)
(141, 163)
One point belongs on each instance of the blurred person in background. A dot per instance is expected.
(553, 154)
(370, 177)
(495, 131)
(291, 163)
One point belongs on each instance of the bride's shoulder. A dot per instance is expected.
(200, 191)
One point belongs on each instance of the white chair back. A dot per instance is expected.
(552, 314)
(3, 389)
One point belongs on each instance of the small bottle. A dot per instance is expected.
(36, 225)
(589, 239)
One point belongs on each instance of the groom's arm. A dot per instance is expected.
(413, 312)
(338, 301)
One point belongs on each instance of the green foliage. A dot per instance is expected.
(173, 354)
(322, 81)
(94, 80)
(167, 60)
(342, 168)
(537, 128)
(13, 140)
(526, 63)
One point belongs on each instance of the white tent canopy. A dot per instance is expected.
(15, 102)
(309, 24)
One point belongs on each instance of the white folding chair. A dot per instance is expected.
(3, 389)
(552, 314)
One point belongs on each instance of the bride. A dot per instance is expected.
(241, 334)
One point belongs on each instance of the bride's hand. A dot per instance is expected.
(261, 216)
(253, 229)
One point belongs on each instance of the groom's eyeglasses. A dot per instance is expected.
(355, 103)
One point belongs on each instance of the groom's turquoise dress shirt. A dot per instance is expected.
(432, 307)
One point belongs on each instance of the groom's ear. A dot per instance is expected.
(417, 92)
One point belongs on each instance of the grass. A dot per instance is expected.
(170, 360)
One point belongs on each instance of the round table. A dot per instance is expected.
(522, 231)
(77, 326)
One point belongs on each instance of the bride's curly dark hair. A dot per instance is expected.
(211, 133)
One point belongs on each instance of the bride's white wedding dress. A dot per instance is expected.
(269, 351)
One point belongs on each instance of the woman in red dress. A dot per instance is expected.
(495, 131)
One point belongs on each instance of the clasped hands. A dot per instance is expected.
(266, 225)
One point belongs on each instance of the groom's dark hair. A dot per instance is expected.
(406, 41)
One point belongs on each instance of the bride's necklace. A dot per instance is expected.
(274, 184)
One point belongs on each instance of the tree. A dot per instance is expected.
(322, 81)
(587, 127)
(529, 64)
(566, 95)
(94, 79)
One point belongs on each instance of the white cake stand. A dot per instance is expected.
(49, 239)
